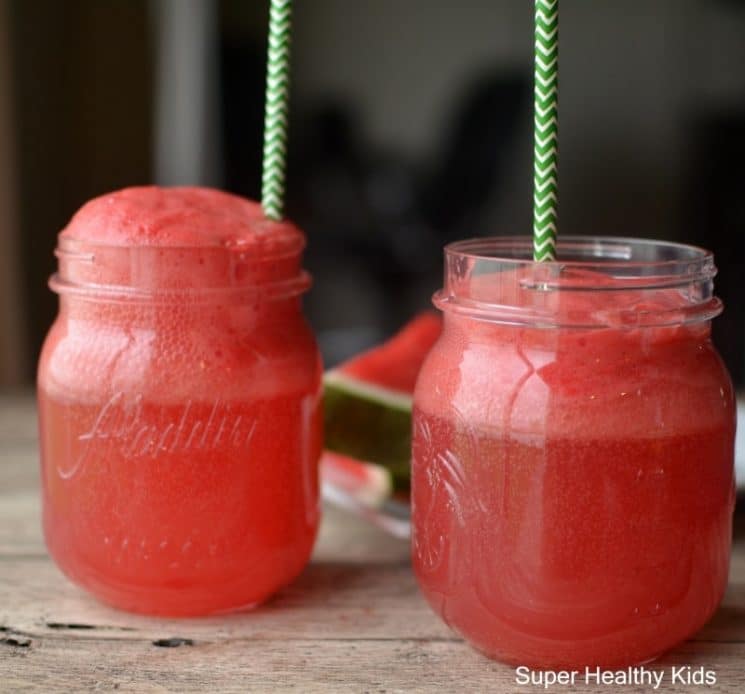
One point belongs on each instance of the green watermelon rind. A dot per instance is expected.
(368, 422)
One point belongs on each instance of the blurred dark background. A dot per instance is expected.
(410, 127)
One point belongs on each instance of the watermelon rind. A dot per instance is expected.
(368, 422)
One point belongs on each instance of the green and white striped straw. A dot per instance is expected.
(546, 152)
(276, 109)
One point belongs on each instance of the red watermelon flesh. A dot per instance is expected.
(395, 364)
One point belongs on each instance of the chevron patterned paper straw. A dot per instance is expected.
(275, 109)
(546, 156)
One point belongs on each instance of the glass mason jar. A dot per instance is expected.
(572, 483)
(179, 403)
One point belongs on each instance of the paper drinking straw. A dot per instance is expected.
(275, 109)
(546, 150)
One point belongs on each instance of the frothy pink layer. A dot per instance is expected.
(613, 380)
(177, 217)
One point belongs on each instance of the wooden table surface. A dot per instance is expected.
(353, 622)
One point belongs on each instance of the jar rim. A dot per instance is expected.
(607, 251)
(166, 274)
(626, 281)
(268, 291)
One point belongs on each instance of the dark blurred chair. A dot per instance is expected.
(471, 163)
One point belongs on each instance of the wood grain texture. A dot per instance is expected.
(353, 622)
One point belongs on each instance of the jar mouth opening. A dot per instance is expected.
(612, 255)
(595, 282)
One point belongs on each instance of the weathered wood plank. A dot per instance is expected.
(236, 666)
(312, 665)
(330, 600)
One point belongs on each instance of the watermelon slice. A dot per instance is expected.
(368, 483)
(368, 399)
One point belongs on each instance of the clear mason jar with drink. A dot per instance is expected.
(572, 482)
(179, 403)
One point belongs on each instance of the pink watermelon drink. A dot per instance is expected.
(179, 401)
(573, 452)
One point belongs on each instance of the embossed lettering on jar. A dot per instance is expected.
(572, 481)
(179, 402)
